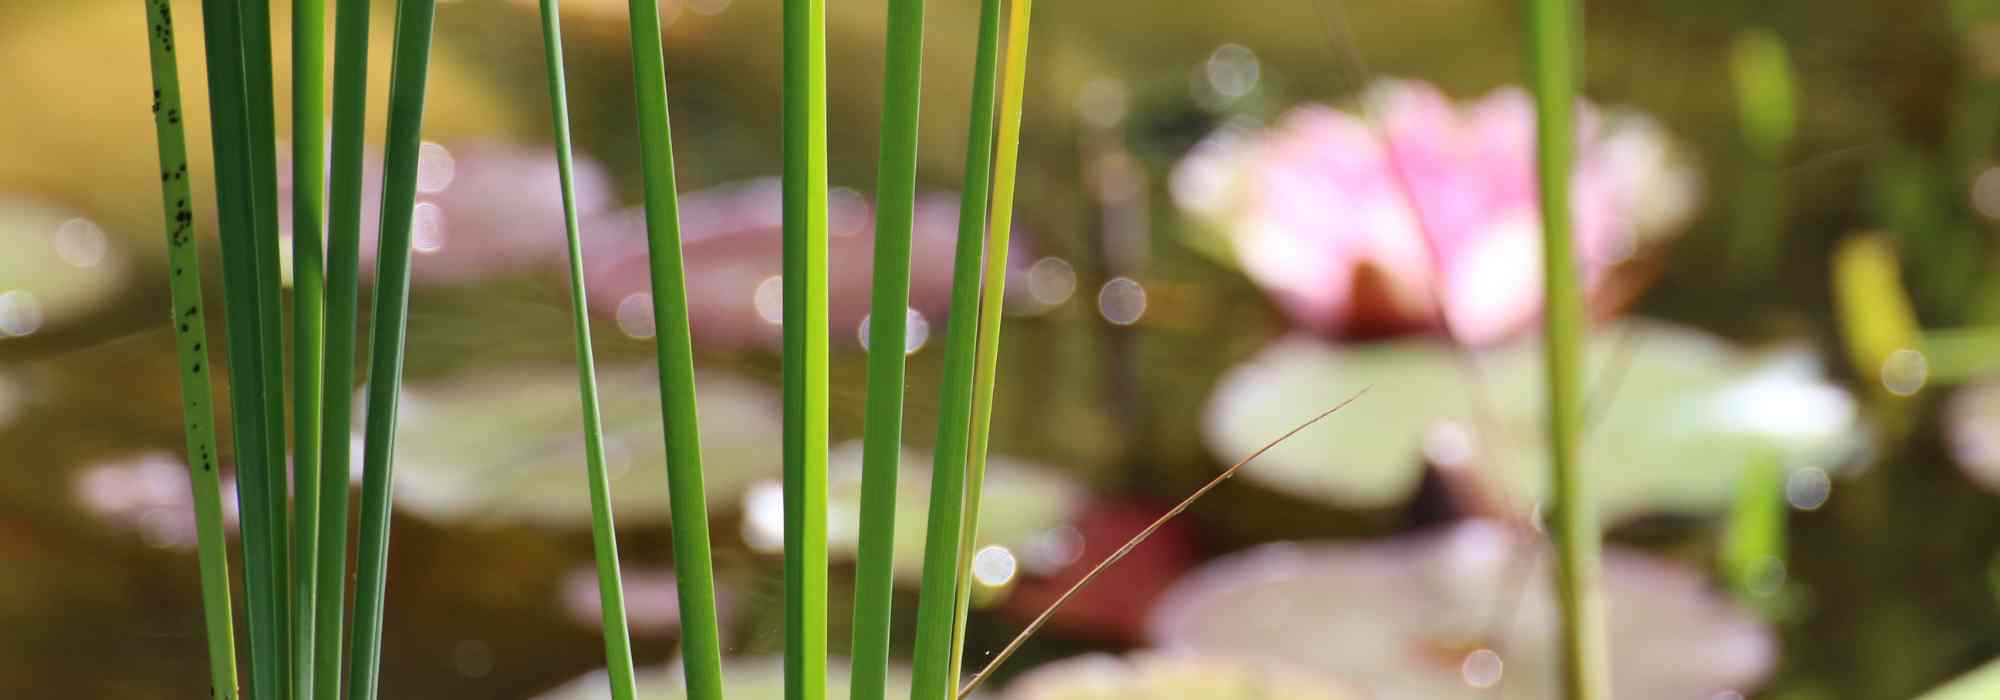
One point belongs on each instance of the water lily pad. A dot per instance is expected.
(1021, 502)
(1972, 427)
(507, 446)
(1456, 613)
(1687, 414)
(1164, 676)
(58, 266)
(743, 679)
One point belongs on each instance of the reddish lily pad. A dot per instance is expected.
(1172, 676)
(1454, 613)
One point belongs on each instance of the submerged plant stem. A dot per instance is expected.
(694, 569)
(604, 535)
(409, 71)
(1554, 39)
(937, 607)
(881, 445)
(986, 374)
(350, 97)
(190, 325)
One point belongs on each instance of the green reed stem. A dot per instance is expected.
(191, 333)
(408, 72)
(931, 677)
(694, 568)
(986, 373)
(603, 534)
(881, 445)
(350, 99)
(308, 319)
(236, 214)
(257, 57)
(805, 349)
(1554, 38)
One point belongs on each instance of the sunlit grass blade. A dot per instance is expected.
(408, 72)
(1751, 553)
(1554, 40)
(308, 315)
(190, 326)
(258, 91)
(236, 215)
(805, 377)
(999, 235)
(350, 98)
(604, 536)
(1982, 682)
(881, 445)
(1138, 539)
(694, 568)
(931, 677)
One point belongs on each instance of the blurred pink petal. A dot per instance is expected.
(1425, 219)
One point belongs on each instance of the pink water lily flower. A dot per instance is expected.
(1421, 216)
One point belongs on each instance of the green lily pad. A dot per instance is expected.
(1687, 414)
(742, 679)
(1461, 613)
(507, 446)
(1164, 676)
(58, 267)
(1021, 502)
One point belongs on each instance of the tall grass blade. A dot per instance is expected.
(805, 348)
(604, 536)
(408, 72)
(1138, 539)
(694, 568)
(881, 445)
(350, 98)
(986, 373)
(257, 57)
(222, 25)
(308, 317)
(931, 677)
(1554, 38)
(191, 333)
